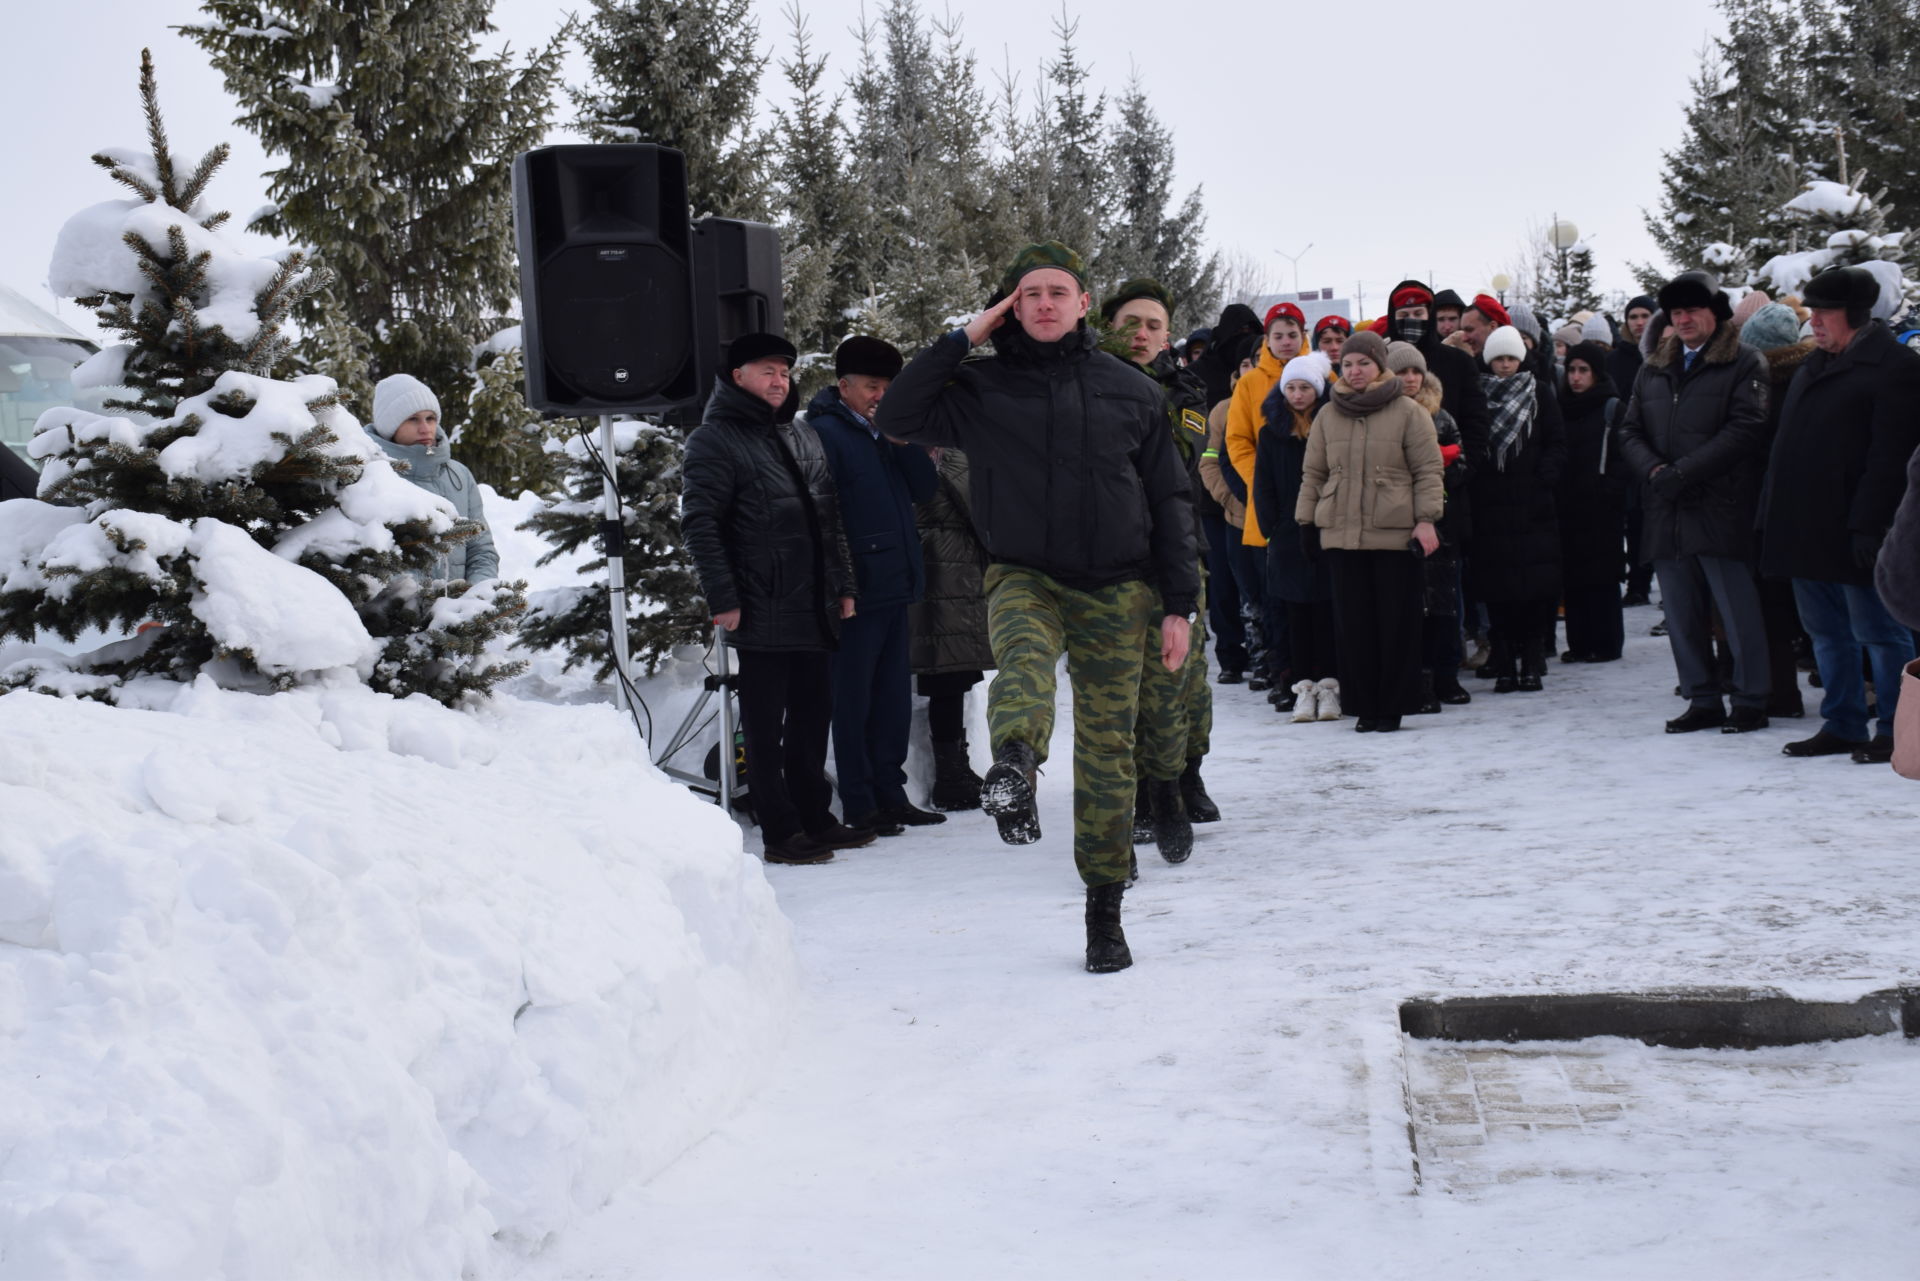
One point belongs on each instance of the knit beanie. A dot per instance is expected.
(1310, 368)
(1771, 326)
(1597, 330)
(1138, 287)
(1753, 301)
(1505, 341)
(1366, 343)
(1402, 356)
(1594, 354)
(1568, 333)
(861, 356)
(1048, 253)
(398, 398)
(1524, 321)
(1642, 302)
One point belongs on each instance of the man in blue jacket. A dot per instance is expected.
(879, 482)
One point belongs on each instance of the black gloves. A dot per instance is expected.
(1668, 481)
(1866, 547)
(1310, 542)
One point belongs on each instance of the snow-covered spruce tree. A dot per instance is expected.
(810, 170)
(684, 74)
(663, 596)
(249, 517)
(395, 136)
(1077, 178)
(1570, 288)
(1843, 226)
(1862, 59)
(1146, 236)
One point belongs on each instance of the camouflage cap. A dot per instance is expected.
(1138, 287)
(1049, 253)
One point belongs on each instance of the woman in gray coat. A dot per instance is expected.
(406, 422)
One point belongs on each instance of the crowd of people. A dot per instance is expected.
(1355, 514)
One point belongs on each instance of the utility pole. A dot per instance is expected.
(1359, 299)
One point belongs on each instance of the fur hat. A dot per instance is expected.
(1525, 321)
(1771, 326)
(1286, 309)
(1447, 300)
(1402, 356)
(1490, 307)
(1048, 253)
(1844, 288)
(861, 356)
(1331, 321)
(1695, 289)
(1594, 354)
(1504, 341)
(1597, 329)
(1138, 287)
(397, 398)
(1366, 343)
(748, 348)
(1310, 368)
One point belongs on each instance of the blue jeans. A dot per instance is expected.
(1843, 620)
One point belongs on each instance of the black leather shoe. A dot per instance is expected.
(1697, 718)
(1258, 684)
(1506, 684)
(1744, 720)
(842, 837)
(907, 814)
(1365, 725)
(798, 848)
(879, 824)
(1228, 676)
(1878, 752)
(1451, 693)
(1825, 744)
(1386, 724)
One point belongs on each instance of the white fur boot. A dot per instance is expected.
(1306, 702)
(1328, 691)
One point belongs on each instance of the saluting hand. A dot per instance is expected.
(983, 325)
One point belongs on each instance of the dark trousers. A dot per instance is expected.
(1250, 575)
(1517, 626)
(1639, 574)
(946, 695)
(1223, 596)
(786, 704)
(1595, 628)
(1782, 616)
(1846, 621)
(1376, 613)
(1310, 634)
(1691, 587)
(872, 711)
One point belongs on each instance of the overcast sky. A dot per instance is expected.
(1398, 138)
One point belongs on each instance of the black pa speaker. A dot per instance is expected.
(607, 279)
(737, 288)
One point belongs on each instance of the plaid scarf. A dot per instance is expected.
(1511, 405)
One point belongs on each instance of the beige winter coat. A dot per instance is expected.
(1211, 461)
(1370, 478)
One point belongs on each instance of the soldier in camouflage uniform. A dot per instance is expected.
(1084, 510)
(1175, 724)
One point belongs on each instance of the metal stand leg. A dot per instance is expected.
(726, 718)
(614, 542)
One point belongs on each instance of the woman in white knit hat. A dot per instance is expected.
(406, 422)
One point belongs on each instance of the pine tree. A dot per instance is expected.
(684, 74)
(1144, 238)
(664, 607)
(1569, 287)
(395, 136)
(248, 516)
(811, 167)
(1862, 60)
(1078, 178)
(1843, 226)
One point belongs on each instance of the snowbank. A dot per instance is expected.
(325, 984)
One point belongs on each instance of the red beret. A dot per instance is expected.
(1489, 306)
(1332, 322)
(1381, 325)
(1287, 309)
(1411, 296)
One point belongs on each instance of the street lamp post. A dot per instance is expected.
(1295, 260)
(1563, 236)
(1501, 283)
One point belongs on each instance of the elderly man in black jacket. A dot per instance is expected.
(762, 521)
(1695, 431)
(1086, 514)
(1850, 423)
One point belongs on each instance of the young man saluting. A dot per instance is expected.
(1082, 505)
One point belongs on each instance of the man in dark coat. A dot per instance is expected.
(1897, 575)
(1695, 432)
(1081, 502)
(1623, 366)
(949, 629)
(878, 481)
(1850, 423)
(761, 520)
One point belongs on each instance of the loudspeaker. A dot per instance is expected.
(737, 289)
(607, 279)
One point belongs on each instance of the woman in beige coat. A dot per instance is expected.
(1369, 498)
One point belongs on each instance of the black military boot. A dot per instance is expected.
(1429, 697)
(1142, 814)
(1106, 945)
(1533, 666)
(1007, 793)
(1200, 806)
(955, 785)
(1172, 831)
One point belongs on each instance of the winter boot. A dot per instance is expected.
(1007, 793)
(1172, 831)
(1142, 813)
(955, 785)
(1200, 806)
(1429, 704)
(1327, 694)
(1106, 945)
(1306, 702)
(1533, 667)
(1447, 686)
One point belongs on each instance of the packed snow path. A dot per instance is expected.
(961, 1100)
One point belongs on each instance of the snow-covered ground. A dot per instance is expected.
(961, 1100)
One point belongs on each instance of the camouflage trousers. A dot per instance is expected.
(1175, 722)
(1031, 621)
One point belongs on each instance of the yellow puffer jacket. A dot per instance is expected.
(1369, 479)
(1243, 428)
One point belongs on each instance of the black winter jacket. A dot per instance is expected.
(1074, 472)
(762, 522)
(1279, 462)
(1460, 395)
(1593, 488)
(877, 482)
(1516, 526)
(1711, 423)
(1897, 573)
(949, 626)
(1187, 416)
(1850, 423)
